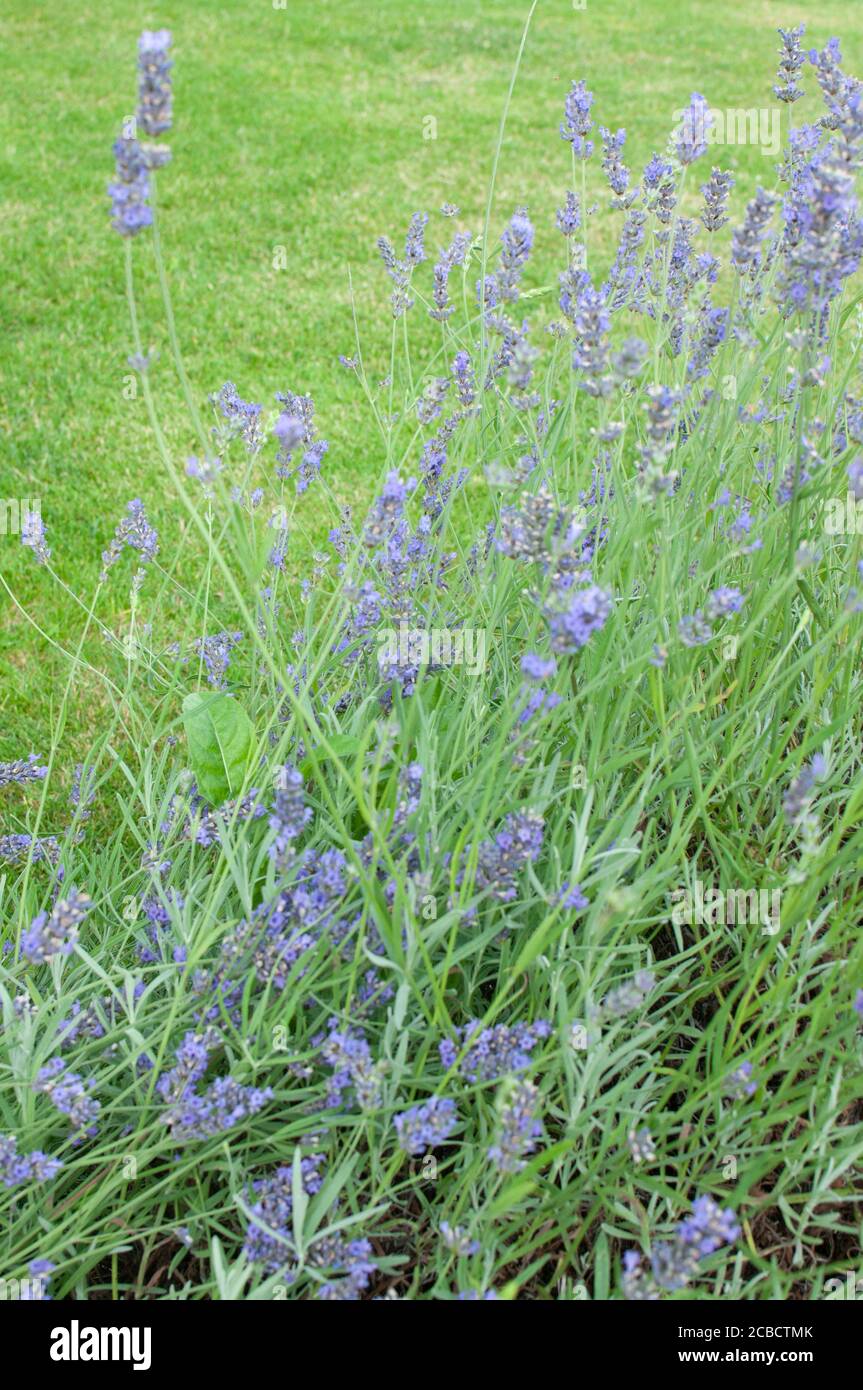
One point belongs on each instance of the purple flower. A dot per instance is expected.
(222, 1106)
(290, 814)
(538, 668)
(569, 216)
(615, 170)
(674, 1265)
(135, 531)
(415, 239)
(577, 122)
(215, 652)
(791, 60)
(464, 378)
(22, 770)
(519, 1128)
(746, 240)
(56, 933)
(33, 536)
(574, 617)
(739, 1083)
(69, 1094)
(457, 1240)
(154, 81)
(517, 843)
(692, 132)
(130, 190)
(572, 899)
(694, 630)
(425, 1126)
(723, 602)
(270, 1236)
(349, 1055)
(242, 418)
(516, 244)
(799, 794)
(716, 192)
(16, 1168)
(491, 1053)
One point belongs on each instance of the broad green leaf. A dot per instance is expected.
(221, 742)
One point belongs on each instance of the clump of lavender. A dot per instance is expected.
(22, 770)
(464, 376)
(33, 536)
(577, 122)
(354, 1068)
(426, 1126)
(242, 418)
(791, 60)
(491, 1053)
(55, 933)
(674, 1265)
(574, 617)
(215, 654)
(222, 1106)
(42, 850)
(295, 427)
(135, 531)
(721, 603)
(69, 1094)
(516, 844)
(519, 1127)
(17, 1168)
(270, 1236)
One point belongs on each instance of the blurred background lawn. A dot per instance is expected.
(301, 128)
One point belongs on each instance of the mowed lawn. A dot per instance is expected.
(304, 128)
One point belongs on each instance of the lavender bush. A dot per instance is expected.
(350, 970)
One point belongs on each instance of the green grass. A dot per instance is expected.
(300, 128)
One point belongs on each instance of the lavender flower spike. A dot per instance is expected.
(22, 770)
(577, 123)
(693, 129)
(48, 935)
(33, 536)
(426, 1126)
(154, 82)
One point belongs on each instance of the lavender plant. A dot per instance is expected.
(350, 970)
